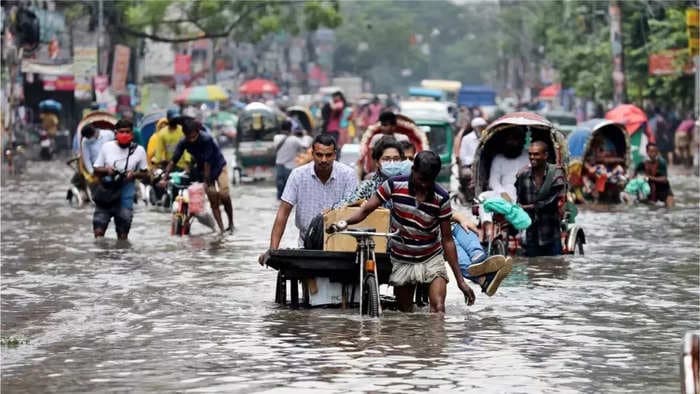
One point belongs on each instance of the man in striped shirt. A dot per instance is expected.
(421, 213)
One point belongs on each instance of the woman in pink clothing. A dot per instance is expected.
(332, 115)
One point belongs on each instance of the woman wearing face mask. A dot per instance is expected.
(390, 159)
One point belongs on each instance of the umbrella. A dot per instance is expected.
(550, 91)
(198, 94)
(629, 115)
(50, 105)
(259, 86)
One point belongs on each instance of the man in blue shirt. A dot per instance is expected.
(209, 160)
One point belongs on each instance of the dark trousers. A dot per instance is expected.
(550, 249)
(281, 175)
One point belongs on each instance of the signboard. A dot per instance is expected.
(120, 67)
(666, 63)
(63, 83)
(692, 21)
(183, 65)
(84, 70)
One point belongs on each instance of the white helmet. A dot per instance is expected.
(478, 122)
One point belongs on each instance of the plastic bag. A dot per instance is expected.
(513, 213)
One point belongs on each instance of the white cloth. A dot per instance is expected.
(112, 155)
(467, 149)
(504, 171)
(287, 153)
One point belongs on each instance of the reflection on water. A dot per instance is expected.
(164, 313)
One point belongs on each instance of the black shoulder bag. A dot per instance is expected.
(108, 194)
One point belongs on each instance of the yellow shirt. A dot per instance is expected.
(165, 143)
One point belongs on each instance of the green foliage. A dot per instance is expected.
(185, 20)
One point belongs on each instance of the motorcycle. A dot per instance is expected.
(46, 144)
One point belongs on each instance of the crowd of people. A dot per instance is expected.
(403, 181)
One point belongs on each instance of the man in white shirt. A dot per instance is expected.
(118, 164)
(287, 146)
(504, 169)
(467, 150)
(313, 188)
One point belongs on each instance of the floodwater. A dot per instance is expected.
(196, 314)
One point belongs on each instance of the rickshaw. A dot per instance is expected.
(79, 192)
(505, 239)
(223, 125)
(405, 126)
(582, 143)
(255, 150)
(303, 116)
(147, 126)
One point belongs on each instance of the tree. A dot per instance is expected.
(180, 21)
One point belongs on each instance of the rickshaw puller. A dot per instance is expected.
(421, 213)
(540, 188)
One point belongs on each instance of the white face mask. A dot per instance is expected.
(396, 168)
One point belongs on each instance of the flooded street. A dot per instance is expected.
(196, 314)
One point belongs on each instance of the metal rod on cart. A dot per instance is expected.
(360, 262)
(376, 273)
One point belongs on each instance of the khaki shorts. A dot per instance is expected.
(222, 182)
(403, 274)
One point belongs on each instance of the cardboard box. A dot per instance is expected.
(378, 220)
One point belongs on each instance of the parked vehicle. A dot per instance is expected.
(255, 150)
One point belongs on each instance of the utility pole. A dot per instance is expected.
(618, 75)
(100, 38)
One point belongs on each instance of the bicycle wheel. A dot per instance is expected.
(370, 296)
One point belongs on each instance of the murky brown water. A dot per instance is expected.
(196, 314)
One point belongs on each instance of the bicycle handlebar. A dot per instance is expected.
(359, 234)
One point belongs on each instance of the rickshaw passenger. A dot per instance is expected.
(602, 166)
(387, 121)
(504, 168)
(391, 161)
(91, 143)
(540, 187)
(467, 151)
(489, 272)
(313, 188)
(408, 149)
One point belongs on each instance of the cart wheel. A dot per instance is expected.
(370, 297)
(498, 247)
(578, 246)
